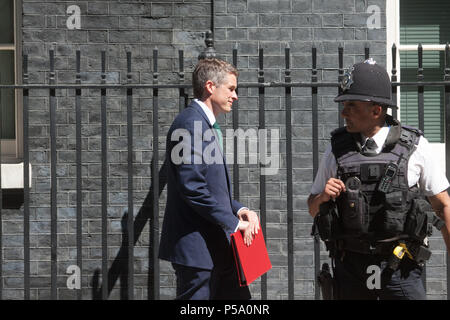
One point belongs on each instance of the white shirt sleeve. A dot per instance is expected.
(237, 227)
(327, 169)
(424, 170)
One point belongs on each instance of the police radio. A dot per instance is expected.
(386, 179)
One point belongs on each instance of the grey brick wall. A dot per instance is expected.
(139, 27)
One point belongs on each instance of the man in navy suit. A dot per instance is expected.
(200, 213)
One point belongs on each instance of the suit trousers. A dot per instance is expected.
(220, 283)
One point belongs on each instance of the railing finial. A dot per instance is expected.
(209, 51)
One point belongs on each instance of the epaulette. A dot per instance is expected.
(338, 131)
(412, 129)
(409, 137)
(342, 142)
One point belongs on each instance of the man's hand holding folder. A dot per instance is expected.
(249, 224)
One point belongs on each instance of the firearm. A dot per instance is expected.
(326, 282)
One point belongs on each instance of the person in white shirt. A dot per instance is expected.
(367, 180)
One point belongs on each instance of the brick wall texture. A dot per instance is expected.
(169, 26)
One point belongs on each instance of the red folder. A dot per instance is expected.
(251, 261)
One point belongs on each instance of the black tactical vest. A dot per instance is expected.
(364, 211)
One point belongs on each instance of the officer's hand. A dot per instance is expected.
(333, 189)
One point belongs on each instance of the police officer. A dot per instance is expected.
(369, 195)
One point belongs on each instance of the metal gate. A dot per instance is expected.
(150, 210)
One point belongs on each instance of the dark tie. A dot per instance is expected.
(219, 134)
(370, 147)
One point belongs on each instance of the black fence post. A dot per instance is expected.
(340, 76)
(26, 184)
(154, 222)
(420, 89)
(235, 116)
(53, 190)
(262, 178)
(315, 143)
(366, 51)
(78, 165)
(130, 216)
(104, 171)
(183, 97)
(420, 97)
(394, 79)
(289, 187)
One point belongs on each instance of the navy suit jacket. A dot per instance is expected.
(200, 214)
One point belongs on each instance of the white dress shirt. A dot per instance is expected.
(207, 111)
(423, 168)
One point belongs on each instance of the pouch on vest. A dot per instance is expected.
(394, 215)
(420, 220)
(327, 221)
(354, 210)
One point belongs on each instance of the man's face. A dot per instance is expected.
(224, 94)
(359, 116)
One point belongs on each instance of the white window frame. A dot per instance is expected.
(393, 36)
(12, 149)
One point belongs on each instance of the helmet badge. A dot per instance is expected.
(347, 79)
(370, 61)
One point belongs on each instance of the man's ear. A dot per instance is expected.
(377, 110)
(209, 86)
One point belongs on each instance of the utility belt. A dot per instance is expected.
(400, 248)
(393, 252)
(365, 247)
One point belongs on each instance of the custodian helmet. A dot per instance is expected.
(366, 81)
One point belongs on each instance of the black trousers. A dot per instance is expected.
(367, 277)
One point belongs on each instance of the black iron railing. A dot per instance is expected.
(150, 210)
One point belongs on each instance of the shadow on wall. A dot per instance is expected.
(119, 267)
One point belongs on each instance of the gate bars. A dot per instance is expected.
(150, 207)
